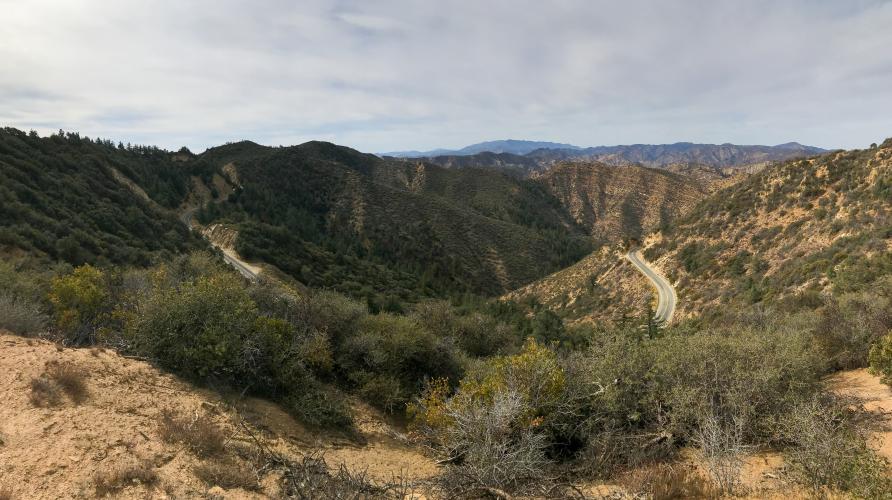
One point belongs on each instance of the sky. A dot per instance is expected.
(413, 74)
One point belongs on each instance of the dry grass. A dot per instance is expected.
(59, 378)
(111, 481)
(72, 379)
(21, 316)
(666, 482)
(228, 474)
(44, 392)
(199, 433)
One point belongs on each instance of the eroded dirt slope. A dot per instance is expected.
(60, 451)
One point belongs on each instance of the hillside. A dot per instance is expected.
(621, 202)
(820, 225)
(113, 438)
(796, 230)
(390, 231)
(60, 199)
(326, 215)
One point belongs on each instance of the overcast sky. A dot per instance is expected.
(417, 74)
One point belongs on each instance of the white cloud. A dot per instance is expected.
(402, 74)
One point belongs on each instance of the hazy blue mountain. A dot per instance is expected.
(512, 146)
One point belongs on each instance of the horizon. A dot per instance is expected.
(393, 77)
(446, 150)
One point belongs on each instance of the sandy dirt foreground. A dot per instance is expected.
(57, 452)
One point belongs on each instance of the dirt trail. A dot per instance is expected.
(56, 452)
(876, 396)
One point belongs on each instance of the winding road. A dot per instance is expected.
(243, 268)
(666, 293)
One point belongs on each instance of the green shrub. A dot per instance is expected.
(749, 376)
(199, 329)
(495, 422)
(881, 358)
(851, 324)
(391, 356)
(80, 302)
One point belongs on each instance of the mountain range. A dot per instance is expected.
(534, 156)
(503, 146)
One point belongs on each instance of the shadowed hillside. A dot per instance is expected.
(621, 202)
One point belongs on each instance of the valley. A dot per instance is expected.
(323, 311)
(525, 250)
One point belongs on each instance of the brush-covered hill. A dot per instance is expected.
(795, 230)
(815, 225)
(390, 231)
(327, 215)
(61, 198)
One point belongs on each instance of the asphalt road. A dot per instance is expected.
(666, 293)
(186, 218)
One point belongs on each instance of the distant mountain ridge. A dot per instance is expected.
(512, 146)
(661, 155)
(537, 156)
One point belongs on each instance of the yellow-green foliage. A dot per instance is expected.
(78, 298)
(535, 374)
(881, 358)
(430, 415)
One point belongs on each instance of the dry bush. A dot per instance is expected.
(72, 379)
(227, 474)
(829, 449)
(113, 480)
(665, 482)
(58, 378)
(493, 452)
(311, 478)
(198, 432)
(721, 444)
(44, 392)
(21, 316)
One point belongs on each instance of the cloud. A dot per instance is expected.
(395, 74)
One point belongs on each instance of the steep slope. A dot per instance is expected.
(66, 198)
(820, 224)
(621, 202)
(662, 155)
(802, 227)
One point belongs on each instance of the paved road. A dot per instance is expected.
(186, 218)
(239, 266)
(666, 293)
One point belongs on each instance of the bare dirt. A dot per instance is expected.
(876, 398)
(57, 452)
